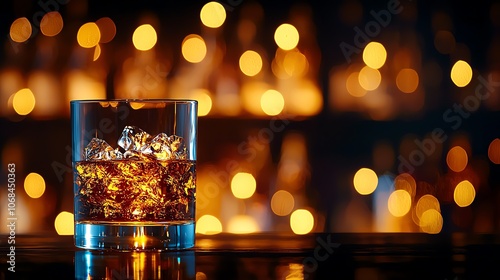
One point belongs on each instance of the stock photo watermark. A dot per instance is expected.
(151, 80)
(249, 149)
(454, 118)
(324, 249)
(321, 253)
(11, 216)
(105, 126)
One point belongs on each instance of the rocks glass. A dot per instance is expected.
(134, 180)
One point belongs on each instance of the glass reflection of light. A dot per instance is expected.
(88, 235)
(296, 271)
(134, 265)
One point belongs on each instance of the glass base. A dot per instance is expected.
(134, 236)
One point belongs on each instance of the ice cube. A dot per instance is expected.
(164, 147)
(130, 154)
(175, 143)
(158, 147)
(177, 147)
(98, 149)
(133, 138)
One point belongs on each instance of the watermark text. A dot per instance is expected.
(11, 216)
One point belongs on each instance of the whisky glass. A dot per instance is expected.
(134, 180)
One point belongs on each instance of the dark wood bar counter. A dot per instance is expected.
(267, 256)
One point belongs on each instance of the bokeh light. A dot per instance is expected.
(200, 276)
(204, 101)
(88, 35)
(23, 101)
(51, 24)
(431, 221)
(272, 102)
(295, 63)
(242, 224)
(47, 91)
(137, 105)
(457, 159)
(426, 202)
(365, 181)
(251, 93)
(243, 185)
(374, 55)
(83, 86)
(494, 151)
(286, 36)
(464, 193)
(289, 85)
(461, 73)
(194, 48)
(369, 78)
(301, 221)
(407, 80)
(277, 66)
(399, 203)
(140, 241)
(20, 30)
(405, 181)
(304, 98)
(34, 185)
(295, 271)
(213, 14)
(208, 225)
(64, 223)
(108, 29)
(250, 63)
(282, 203)
(97, 52)
(353, 87)
(144, 37)
(444, 41)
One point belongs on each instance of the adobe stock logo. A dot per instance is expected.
(372, 29)
(249, 149)
(322, 252)
(454, 117)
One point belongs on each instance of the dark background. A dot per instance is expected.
(339, 142)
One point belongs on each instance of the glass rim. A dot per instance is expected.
(138, 100)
